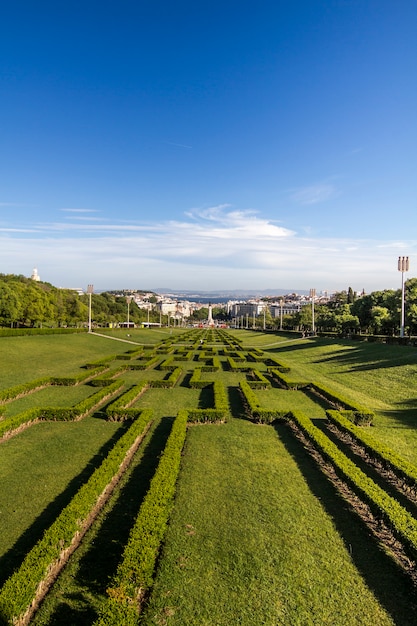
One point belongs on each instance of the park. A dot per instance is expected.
(207, 477)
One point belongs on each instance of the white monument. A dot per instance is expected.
(210, 315)
(35, 276)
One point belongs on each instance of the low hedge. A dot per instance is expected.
(70, 381)
(13, 423)
(104, 361)
(238, 367)
(272, 362)
(169, 381)
(82, 408)
(286, 381)
(375, 448)
(196, 382)
(256, 380)
(221, 410)
(258, 413)
(11, 393)
(134, 574)
(168, 364)
(119, 410)
(402, 523)
(359, 414)
(20, 590)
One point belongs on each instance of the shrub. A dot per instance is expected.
(135, 572)
(19, 591)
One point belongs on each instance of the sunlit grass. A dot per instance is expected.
(249, 544)
(27, 358)
(50, 396)
(38, 466)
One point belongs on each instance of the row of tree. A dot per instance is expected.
(24, 302)
(377, 313)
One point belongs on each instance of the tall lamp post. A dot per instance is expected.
(403, 266)
(128, 300)
(90, 289)
(281, 303)
(313, 325)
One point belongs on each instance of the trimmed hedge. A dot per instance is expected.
(272, 362)
(221, 410)
(13, 423)
(360, 414)
(119, 410)
(82, 408)
(20, 590)
(238, 367)
(196, 382)
(286, 381)
(402, 523)
(70, 381)
(134, 575)
(258, 380)
(375, 448)
(11, 393)
(259, 414)
(168, 382)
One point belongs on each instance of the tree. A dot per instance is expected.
(9, 305)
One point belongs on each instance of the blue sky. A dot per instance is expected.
(209, 145)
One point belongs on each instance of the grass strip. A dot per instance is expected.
(400, 466)
(21, 593)
(402, 523)
(134, 575)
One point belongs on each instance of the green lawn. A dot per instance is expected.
(50, 396)
(249, 543)
(257, 536)
(39, 472)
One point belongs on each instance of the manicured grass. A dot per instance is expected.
(39, 472)
(250, 544)
(377, 376)
(166, 402)
(81, 589)
(258, 536)
(50, 396)
(28, 358)
(289, 400)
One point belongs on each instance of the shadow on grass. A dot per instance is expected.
(367, 468)
(403, 419)
(393, 589)
(13, 558)
(237, 408)
(206, 399)
(106, 541)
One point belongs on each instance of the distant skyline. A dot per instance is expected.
(209, 146)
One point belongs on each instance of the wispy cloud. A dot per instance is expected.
(314, 194)
(215, 247)
(79, 210)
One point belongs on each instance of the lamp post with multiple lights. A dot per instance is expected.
(128, 300)
(312, 296)
(403, 266)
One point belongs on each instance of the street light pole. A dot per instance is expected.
(281, 302)
(90, 289)
(403, 266)
(128, 300)
(312, 296)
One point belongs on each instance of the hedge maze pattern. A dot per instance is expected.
(211, 361)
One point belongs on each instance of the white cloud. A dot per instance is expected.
(212, 248)
(79, 210)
